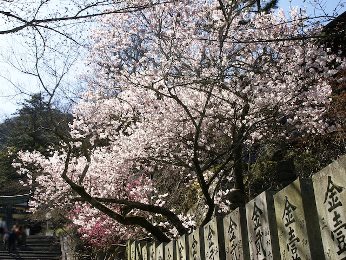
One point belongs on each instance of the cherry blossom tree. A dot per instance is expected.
(43, 40)
(177, 94)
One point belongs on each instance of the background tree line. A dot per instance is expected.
(33, 127)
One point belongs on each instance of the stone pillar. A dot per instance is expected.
(152, 251)
(196, 245)
(297, 223)
(170, 251)
(145, 251)
(213, 239)
(330, 192)
(182, 248)
(160, 252)
(235, 233)
(133, 250)
(128, 250)
(139, 250)
(261, 228)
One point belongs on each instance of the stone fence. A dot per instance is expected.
(305, 220)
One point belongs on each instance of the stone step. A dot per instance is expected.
(36, 254)
(40, 239)
(30, 253)
(37, 247)
(23, 256)
(28, 247)
(28, 257)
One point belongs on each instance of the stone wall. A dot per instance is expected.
(304, 221)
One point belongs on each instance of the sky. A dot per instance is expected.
(316, 7)
(15, 86)
(11, 80)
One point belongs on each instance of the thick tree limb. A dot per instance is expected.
(171, 216)
(130, 220)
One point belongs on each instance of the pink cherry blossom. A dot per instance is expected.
(175, 91)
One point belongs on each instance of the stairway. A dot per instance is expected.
(38, 247)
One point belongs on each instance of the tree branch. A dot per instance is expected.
(36, 22)
(130, 220)
(171, 216)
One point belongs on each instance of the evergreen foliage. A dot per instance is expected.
(33, 127)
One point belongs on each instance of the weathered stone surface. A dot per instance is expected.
(160, 252)
(133, 250)
(152, 251)
(139, 252)
(128, 250)
(145, 251)
(211, 243)
(330, 193)
(235, 233)
(182, 247)
(170, 252)
(297, 223)
(196, 244)
(261, 228)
